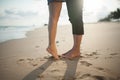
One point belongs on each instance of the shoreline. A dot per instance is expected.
(58, 26)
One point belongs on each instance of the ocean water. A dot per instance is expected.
(18, 32)
(14, 32)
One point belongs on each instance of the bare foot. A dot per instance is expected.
(71, 54)
(53, 52)
(66, 53)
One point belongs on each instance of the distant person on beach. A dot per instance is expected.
(74, 8)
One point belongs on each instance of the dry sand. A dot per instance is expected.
(27, 59)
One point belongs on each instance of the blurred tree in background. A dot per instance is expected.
(113, 15)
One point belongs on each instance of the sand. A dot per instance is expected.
(27, 59)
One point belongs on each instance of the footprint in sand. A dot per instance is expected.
(102, 69)
(85, 63)
(118, 78)
(20, 61)
(92, 54)
(40, 76)
(99, 68)
(111, 55)
(96, 57)
(103, 78)
(37, 46)
(40, 59)
(29, 61)
(114, 54)
(55, 70)
(113, 78)
(95, 77)
(85, 76)
(34, 64)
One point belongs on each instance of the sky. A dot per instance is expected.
(35, 12)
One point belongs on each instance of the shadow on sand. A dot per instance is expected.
(69, 74)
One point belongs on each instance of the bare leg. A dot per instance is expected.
(75, 51)
(54, 13)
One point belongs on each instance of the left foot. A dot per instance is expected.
(53, 52)
(71, 54)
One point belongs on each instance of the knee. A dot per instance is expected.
(77, 26)
(76, 20)
(53, 20)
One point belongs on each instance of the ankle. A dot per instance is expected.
(52, 45)
(76, 49)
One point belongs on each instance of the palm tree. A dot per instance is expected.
(115, 14)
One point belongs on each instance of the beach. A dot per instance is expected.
(27, 58)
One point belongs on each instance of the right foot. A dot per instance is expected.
(53, 52)
(66, 53)
(71, 54)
